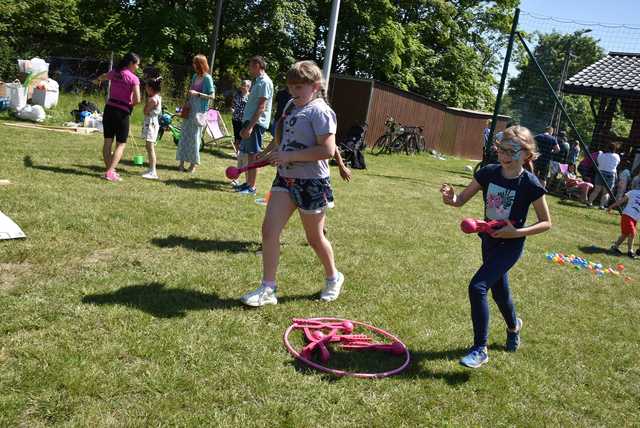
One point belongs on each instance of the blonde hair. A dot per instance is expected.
(201, 64)
(306, 72)
(521, 135)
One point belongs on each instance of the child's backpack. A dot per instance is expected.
(84, 105)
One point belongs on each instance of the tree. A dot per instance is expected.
(530, 102)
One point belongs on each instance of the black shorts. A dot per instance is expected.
(237, 127)
(115, 122)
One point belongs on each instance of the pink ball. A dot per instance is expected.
(468, 225)
(232, 173)
(317, 334)
(397, 348)
(347, 327)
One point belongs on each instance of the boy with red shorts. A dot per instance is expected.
(630, 216)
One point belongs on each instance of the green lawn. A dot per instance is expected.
(120, 308)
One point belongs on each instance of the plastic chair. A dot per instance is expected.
(215, 127)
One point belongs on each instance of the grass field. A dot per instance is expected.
(120, 308)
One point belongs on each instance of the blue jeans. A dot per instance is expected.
(498, 256)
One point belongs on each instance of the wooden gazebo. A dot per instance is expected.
(611, 82)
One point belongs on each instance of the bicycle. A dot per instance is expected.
(397, 138)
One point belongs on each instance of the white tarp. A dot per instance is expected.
(8, 229)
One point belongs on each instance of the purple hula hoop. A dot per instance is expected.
(337, 372)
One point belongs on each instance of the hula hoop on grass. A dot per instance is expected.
(338, 372)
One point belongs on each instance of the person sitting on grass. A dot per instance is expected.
(628, 220)
(571, 181)
(508, 191)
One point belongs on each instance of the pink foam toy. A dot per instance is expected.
(396, 348)
(346, 326)
(470, 225)
(320, 340)
(232, 172)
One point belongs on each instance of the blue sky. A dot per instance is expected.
(614, 23)
(605, 11)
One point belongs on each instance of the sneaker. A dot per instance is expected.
(631, 255)
(332, 289)
(475, 358)
(513, 337)
(240, 187)
(263, 295)
(615, 250)
(151, 175)
(638, 252)
(111, 176)
(248, 191)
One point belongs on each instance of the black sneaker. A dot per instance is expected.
(615, 250)
(631, 255)
(638, 252)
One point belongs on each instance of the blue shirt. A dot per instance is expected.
(508, 198)
(262, 87)
(545, 143)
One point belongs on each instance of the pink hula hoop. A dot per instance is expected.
(337, 372)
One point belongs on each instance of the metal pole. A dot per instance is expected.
(563, 110)
(216, 31)
(563, 74)
(503, 80)
(106, 97)
(331, 38)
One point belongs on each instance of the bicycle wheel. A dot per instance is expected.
(381, 145)
(422, 145)
(412, 145)
(395, 145)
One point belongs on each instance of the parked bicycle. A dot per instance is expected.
(398, 138)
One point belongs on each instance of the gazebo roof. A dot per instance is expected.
(616, 75)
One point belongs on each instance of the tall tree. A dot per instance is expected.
(529, 100)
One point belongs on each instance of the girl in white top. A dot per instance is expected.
(607, 164)
(152, 111)
(304, 141)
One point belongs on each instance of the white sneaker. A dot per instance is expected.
(332, 289)
(151, 175)
(263, 295)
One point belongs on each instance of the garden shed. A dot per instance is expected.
(446, 129)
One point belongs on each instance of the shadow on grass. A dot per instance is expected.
(219, 153)
(377, 362)
(127, 162)
(569, 202)
(161, 302)
(28, 163)
(397, 177)
(199, 183)
(592, 249)
(463, 174)
(204, 245)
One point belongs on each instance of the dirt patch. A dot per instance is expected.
(100, 256)
(10, 272)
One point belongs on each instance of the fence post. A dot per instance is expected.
(503, 80)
